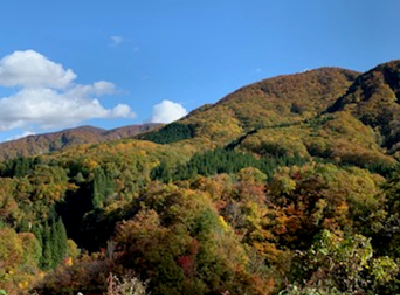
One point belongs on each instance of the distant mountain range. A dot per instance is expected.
(56, 141)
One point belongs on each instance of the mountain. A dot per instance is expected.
(280, 100)
(286, 186)
(56, 141)
(333, 113)
(374, 98)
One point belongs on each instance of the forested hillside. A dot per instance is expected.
(287, 186)
(56, 141)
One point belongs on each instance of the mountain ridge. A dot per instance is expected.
(56, 141)
(277, 101)
(374, 99)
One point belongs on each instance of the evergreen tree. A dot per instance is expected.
(108, 184)
(220, 161)
(55, 251)
(61, 240)
(23, 226)
(46, 260)
(99, 188)
(170, 133)
(37, 231)
(21, 167)
(79, 177)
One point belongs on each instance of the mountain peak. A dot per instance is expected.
(278, 100)
(374, 98)
(319, 83)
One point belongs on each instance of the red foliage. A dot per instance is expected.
(186, 263)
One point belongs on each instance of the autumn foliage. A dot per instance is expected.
(287, 186)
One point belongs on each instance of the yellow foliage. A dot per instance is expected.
(223, 223)
(23, 285)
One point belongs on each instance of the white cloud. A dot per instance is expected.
(48, 97)
(98, 88)
(167, 112)
(122, 111)
(31, 69)
(303, 71)
(21, 135)
(104, 87)
(116, 40)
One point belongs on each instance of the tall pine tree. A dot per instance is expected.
(61, 241)
(46, 260)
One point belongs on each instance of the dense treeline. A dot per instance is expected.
(219, 161)
(178, 236)
(170, 133)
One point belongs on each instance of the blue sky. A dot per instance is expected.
(114, 63)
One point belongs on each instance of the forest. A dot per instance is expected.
(290, 185)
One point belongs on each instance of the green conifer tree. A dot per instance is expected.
(99, 188)
(37, 231)
(61, 239)
(55, 251)
(46, 260)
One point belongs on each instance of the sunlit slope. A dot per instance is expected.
(374, 98)
(56, 141)
(273, 101)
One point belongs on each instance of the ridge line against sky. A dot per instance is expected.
(111, 64)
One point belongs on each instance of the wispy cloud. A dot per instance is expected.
(116, 40)
(145, 77)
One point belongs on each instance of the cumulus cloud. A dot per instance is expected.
(31, 69)
(167, 112)
(48, 96)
